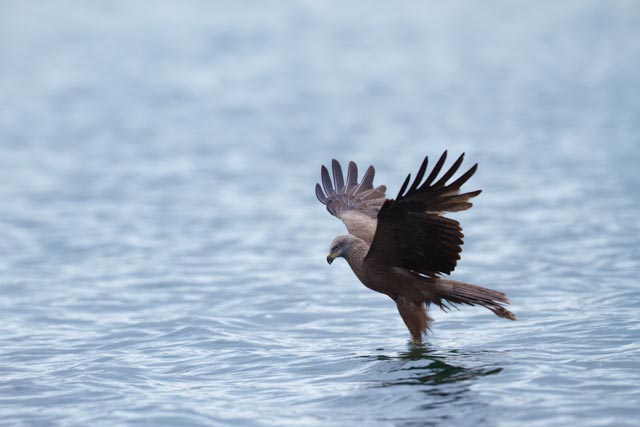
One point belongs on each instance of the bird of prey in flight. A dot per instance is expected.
(401, 247)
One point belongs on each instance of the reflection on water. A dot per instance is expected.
(443, 378)
(427, 366)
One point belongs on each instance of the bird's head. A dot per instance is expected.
(339, 247)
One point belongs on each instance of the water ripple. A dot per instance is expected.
(162, 252)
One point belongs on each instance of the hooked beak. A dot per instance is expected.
(330, 258)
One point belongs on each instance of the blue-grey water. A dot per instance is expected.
(162, 253)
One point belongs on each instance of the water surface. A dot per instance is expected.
(162, 259)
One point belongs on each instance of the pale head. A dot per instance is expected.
(341, 246)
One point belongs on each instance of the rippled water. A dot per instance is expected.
(162, 259)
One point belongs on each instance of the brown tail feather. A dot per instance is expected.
(465, 293)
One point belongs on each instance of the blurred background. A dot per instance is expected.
(162, 253)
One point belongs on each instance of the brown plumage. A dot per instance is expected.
(400, 247)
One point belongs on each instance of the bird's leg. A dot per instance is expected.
(414, 315)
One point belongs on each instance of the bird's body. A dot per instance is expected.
(401, 247)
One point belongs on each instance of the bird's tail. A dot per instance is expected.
(464, 293)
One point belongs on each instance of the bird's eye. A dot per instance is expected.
(335, 248)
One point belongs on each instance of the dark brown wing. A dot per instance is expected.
(412, 234)
(356, 204)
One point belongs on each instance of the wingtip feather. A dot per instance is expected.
(338, 177)
(352, 175)
(367, 179)
(404, 187)
(420, 174)
(320, 195)
(326, 181)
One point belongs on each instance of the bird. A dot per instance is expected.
(403, 247)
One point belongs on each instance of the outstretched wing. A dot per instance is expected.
(356, 204)
(412, 233)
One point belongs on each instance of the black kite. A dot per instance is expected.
(400, 247)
